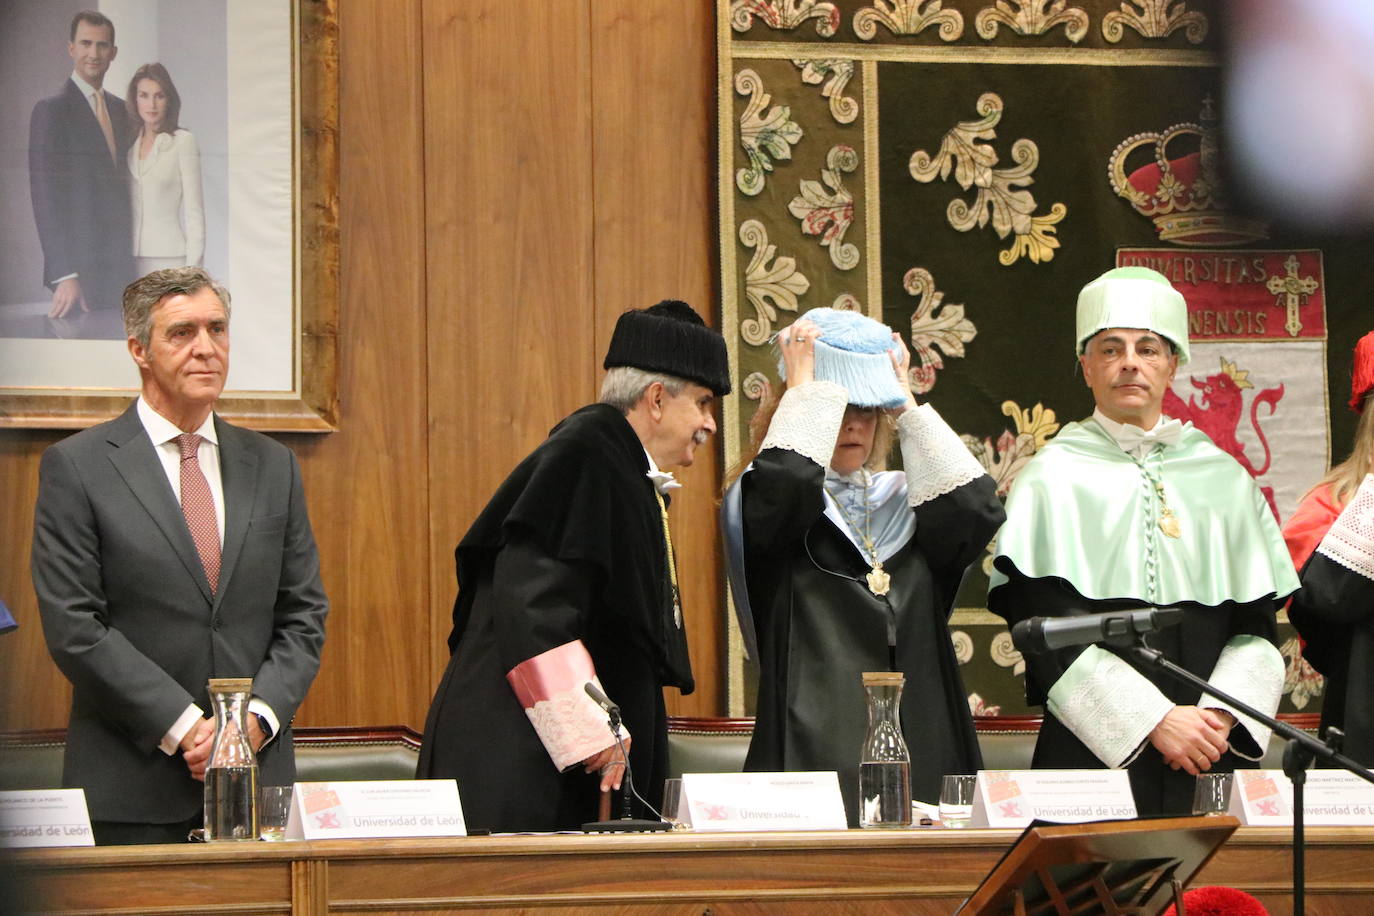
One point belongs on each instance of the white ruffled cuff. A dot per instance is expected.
(935, 458)
(1350, 540)
(808, 421)
(1108, 705)
(571, 727)
(1251, 670)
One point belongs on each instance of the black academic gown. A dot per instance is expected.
(1195, 644)
(819, 627)
(1334, 612)
(570, 547)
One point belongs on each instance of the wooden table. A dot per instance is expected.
(917, 871)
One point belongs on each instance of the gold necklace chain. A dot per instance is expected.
(879, 582)
(672, 562)
(1167, 522)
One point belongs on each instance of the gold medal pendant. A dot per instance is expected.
(878, 580)
(1169, 524)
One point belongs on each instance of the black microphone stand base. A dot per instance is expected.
(626, 825)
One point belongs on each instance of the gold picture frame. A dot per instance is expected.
(312, 403)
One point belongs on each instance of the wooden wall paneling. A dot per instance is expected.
(652, 150)
(508, 235)
(500, 204)
(33, 693)
(365, 482)
(370, 515)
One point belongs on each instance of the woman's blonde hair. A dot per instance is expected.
(883, 434)
(1345, 478)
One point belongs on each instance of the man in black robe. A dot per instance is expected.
(1130, 508)
(568, 577)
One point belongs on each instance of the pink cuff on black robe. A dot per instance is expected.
(550, 687)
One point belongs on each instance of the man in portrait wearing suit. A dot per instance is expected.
(78, 179)
(171, 547)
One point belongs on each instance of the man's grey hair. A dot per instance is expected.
(624, 386)
(146, 292)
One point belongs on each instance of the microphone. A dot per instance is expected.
(601, 699)
(1117, 628)
(627, 823)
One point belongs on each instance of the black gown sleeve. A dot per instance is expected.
(1331, 605)
(953, 529)
(782, 496)
(1021, 598)
(539, 601)
(1195, 643)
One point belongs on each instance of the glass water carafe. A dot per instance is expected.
(231, 777)
(885, 767)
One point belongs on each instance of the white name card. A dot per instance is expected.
(380, 808)
(762, 801)
(1331, 798)
(45, 817)
(1014, 798)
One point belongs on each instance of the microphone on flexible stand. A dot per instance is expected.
(627, 823)
(1036, 635)
(604, 702)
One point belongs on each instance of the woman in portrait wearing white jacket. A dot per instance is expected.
(164, 164)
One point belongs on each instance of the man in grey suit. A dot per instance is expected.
(171, 547)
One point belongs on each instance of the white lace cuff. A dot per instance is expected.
(1108, 705)
(1251, 670)
(808, 421)
(935, 458)
(552, 689)
(1350, 540)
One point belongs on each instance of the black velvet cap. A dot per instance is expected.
(671, 338)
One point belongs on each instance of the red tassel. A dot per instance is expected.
(1219, 901)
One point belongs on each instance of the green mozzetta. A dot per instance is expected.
(1084, 511)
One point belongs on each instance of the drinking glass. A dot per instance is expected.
(672, 802)
(956, 800)
(274, 806)
(1212, 794)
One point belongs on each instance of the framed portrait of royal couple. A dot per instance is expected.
(147, 134)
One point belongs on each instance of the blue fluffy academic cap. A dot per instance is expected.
(853, 351)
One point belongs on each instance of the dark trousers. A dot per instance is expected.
(119, 833)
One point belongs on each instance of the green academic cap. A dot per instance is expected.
(1134, 297)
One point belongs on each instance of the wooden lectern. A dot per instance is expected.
(1114, 868)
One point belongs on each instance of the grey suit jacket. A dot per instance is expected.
(130, 619)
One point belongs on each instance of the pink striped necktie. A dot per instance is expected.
(199, 507)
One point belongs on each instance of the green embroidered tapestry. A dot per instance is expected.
(959, 170)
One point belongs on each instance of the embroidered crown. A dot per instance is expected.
(1175, 180)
